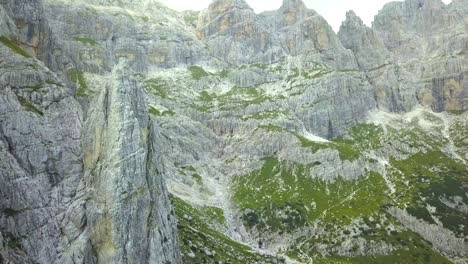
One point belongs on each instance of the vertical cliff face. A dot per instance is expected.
(236, 34)
(232, 32)
(400, 20)
(40, 163)
(367, 46)
(40, 153)
(75, 192)
(128, 214)
(31, 30)
(429, 39)
(394, 87)
(95, 34)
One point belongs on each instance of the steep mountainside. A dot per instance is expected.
(132, 133)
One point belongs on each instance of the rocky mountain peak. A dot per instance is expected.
(424, 4)
(459, 5)
(224, 16)
(352, 18)
(419, 16)
(119, 3)
(221, 6)
(293, 11)
(363, 41)
(293, 5)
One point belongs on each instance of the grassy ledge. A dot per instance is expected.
(14, 47)
(29, 106)
(78, 78)
(200, 243)
(87, 41)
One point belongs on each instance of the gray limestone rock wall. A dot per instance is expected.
(233, 33)
(32, 32)
(95, 36)
(417, 34)
(40, 158)
(58, 204)
(394, 88)
(236, 34)
(129, 217)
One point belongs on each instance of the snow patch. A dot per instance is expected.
(314, 138)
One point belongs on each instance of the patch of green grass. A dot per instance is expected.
(215, 214)
(10, 212)
(12, 241)
(198, 72)
(206, 97)
(54, 83)
(457, 112)
(78, 78)
(451, 219)
(420, 170)
(196, 237)
(364, 137)
(192, 172)
(421, 213)
(88, 12)
(316, 75)
(260, 66)
(271, 128)
(28, 106)
(459, 134)
(87, 41)
(191, 168)
(157, 87)
(14, 47)
(154, 111)
(223, 73)
(266, 115)
(197, 178)
(411, 254)
(236, 98)
(423, 179)
(36, 87)
(407, 246)
(283, 196)
(415, 137)
(346, 151)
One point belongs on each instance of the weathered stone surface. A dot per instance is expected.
(416, 33)
(367, 46)
(209, 102)
(236, 34)
(41, 160)
(49, 212)
(129, 217)
(394, 88)
(96, 33)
